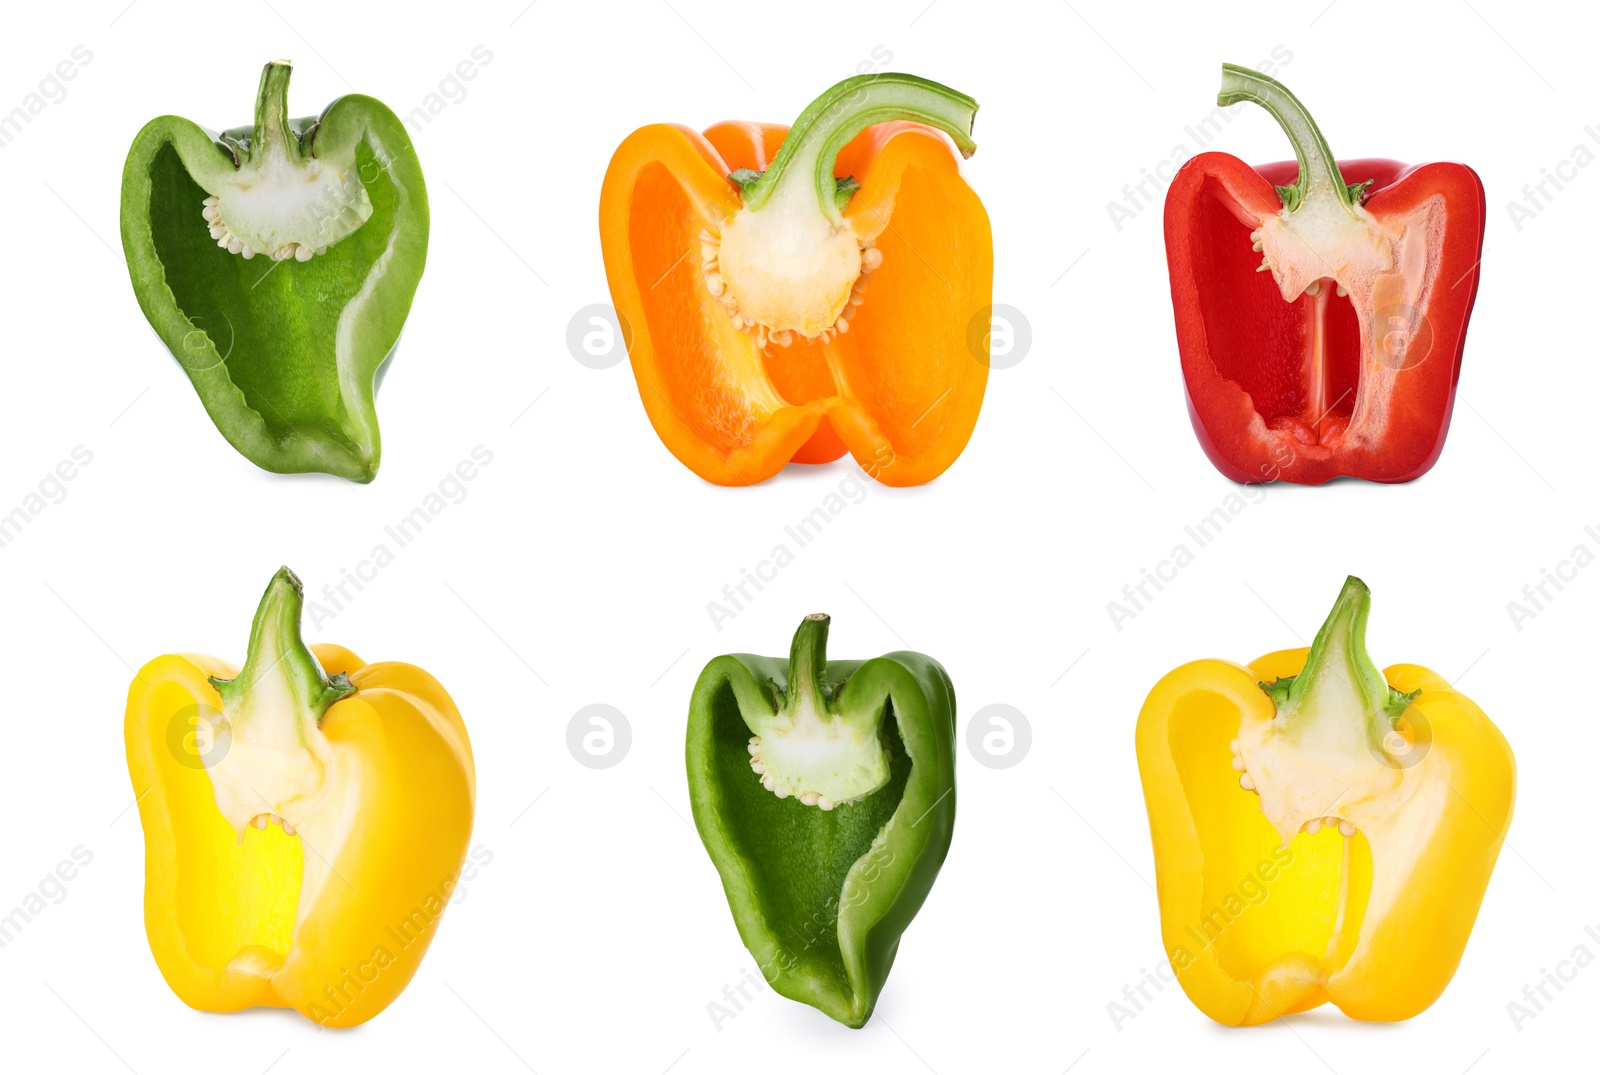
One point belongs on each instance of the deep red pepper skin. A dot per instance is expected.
(1204, 278)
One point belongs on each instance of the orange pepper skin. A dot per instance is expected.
(901, 391)
(332, 920)
(1376, 923)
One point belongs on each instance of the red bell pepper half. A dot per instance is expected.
(1320, 322)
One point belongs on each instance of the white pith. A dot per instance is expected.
(1387, 269)
(286, 209)
(784, 274)
(818, 758)
(278, 767)
(1324, 239)
(1320, 767)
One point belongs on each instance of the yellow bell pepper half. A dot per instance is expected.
(305, 820)
(1323, 832)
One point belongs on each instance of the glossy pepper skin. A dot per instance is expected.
(1344, 853)
(277, 262)
(822, 894)
(305, 820)
(754, 346)
(1342, 359)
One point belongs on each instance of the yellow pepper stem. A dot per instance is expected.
(279, 666)
(278, 762)
(1338, 671)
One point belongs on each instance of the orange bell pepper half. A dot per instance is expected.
(789, 294)
(1343, 854)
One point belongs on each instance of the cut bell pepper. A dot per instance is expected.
(1343, 854)
(305, 819)
(795, 293)
(825, 794)
(285, 351)
(1320, 322)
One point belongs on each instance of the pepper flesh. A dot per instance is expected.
(822, 896)
(1340, 355)
(1266, 909)
(305, 820)
(895, 378)
(284, 351)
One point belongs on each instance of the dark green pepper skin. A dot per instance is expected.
(285, 355)
(822, 897)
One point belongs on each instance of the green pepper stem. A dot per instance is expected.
(806, 160)
(1338, 666)
(1319, 178)
(808, 660)
(272, 134)
(279, 664)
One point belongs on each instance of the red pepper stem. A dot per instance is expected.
(272, 134)
(1319, 177)
(806, 159)
(808, 660)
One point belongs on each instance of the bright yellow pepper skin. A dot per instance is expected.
(1267, 906)
(320, 886)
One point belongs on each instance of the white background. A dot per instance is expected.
(579, 565)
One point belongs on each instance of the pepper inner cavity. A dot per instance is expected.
(1327, 369)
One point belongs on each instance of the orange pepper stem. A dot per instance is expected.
(279, 662)
(807, 157)
(1338, 666)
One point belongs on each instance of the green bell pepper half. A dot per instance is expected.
(822, 893)
(285, 350)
